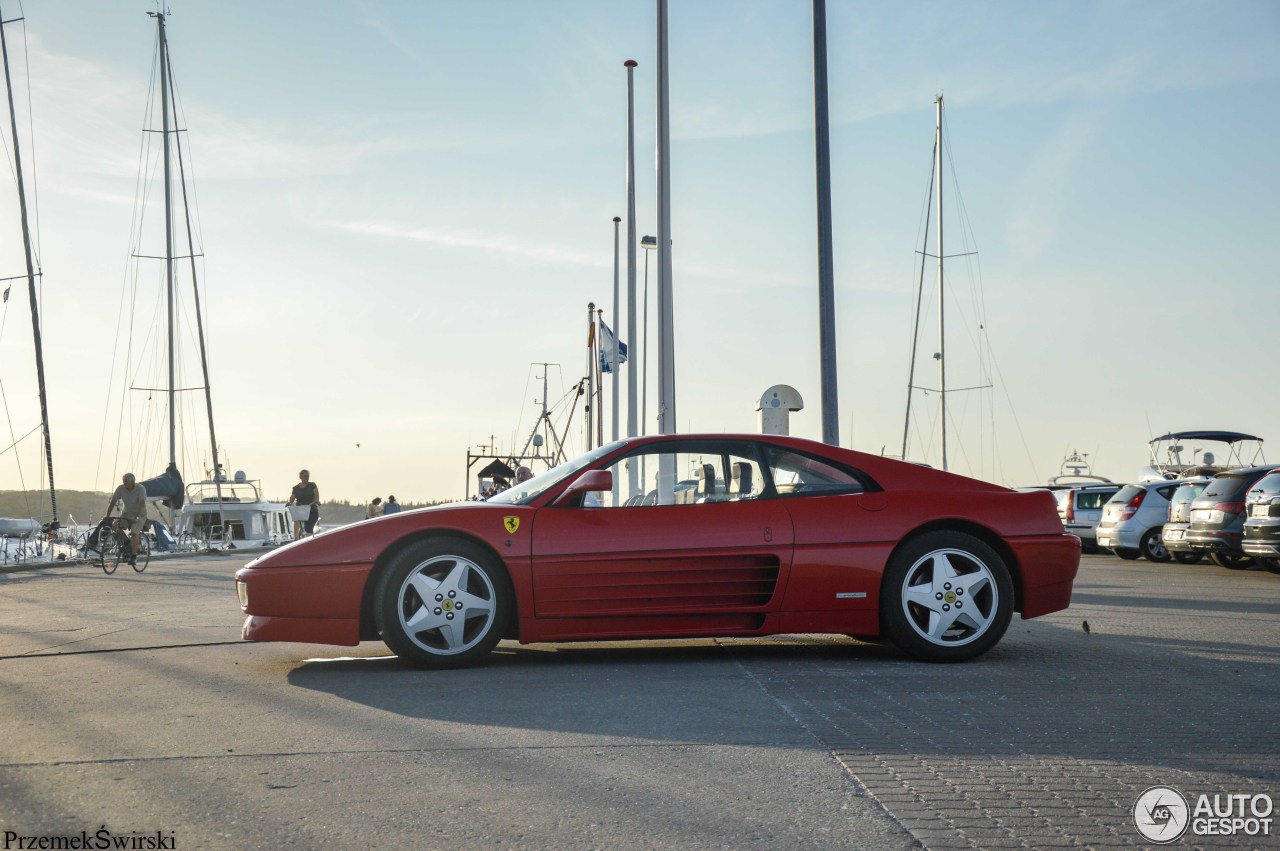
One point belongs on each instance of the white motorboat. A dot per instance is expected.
(233, 513)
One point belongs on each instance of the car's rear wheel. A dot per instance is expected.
(1152, 546)
(1188, 558)
(1127, 554)
(946, 597)
(443, 603)
(1272, 564)
(1231, 561)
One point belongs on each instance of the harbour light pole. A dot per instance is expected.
(826, 273)
(648, 243)
(633, 482)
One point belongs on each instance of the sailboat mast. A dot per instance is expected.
(942, 325)
(31, 277)
(168, 231)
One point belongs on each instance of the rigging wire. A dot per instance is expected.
(129, 284)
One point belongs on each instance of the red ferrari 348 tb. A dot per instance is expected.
(680, 536)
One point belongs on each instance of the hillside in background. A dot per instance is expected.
(77, 504)
(87, 505)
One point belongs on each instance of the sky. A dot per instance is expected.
(404, 206)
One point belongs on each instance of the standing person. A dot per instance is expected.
(305, 492)
(392, 507)
(375, 508)
(133, 504)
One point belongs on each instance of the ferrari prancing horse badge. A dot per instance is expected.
(512, 524)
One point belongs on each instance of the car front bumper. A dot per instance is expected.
(313, 605)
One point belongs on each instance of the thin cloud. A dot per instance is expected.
(1034, 222)
(447, 237)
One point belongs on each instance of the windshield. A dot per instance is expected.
(527, 491)
(1187, 493)
(1127, 493)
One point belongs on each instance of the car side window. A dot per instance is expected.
(796, 474)
(697, 475)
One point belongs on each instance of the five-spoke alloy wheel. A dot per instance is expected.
(1153, 548)
(443, 603)
(946, 597)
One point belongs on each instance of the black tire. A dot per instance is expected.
(906, 620)
(1152, 547)
(108, 553)
(1127, 554)
(461, 575)
(1232, 561)
(144, 554)
(1188, 558)
(1272, 564)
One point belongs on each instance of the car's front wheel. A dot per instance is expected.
(1152, 546)
(946, 597)
(443, 603)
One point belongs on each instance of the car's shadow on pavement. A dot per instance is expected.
(1048, 689)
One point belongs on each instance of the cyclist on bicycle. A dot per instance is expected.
(132, 498)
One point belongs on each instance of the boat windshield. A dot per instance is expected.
(527, 491)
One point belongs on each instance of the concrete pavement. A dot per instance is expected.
(129, 701)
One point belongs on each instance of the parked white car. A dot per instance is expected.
(1133, 519)
(1080, 510)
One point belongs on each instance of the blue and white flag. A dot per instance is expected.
(606, 349)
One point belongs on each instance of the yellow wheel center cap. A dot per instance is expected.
(951, 596)
(448, 605)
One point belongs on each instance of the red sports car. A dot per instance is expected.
(680, 536)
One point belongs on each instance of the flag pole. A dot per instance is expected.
(591, 371)
(617, 331)
(599, 378)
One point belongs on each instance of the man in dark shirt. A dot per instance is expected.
(305, 492)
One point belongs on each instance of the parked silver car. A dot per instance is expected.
(1080, 510)
(1179, 520)
(1262, 527)
(1132, 520)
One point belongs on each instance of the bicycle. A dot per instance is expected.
(116, 547)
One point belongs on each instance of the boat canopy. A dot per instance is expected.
(1224, 436)
(167, 487)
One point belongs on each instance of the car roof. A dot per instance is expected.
(1246, 472)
